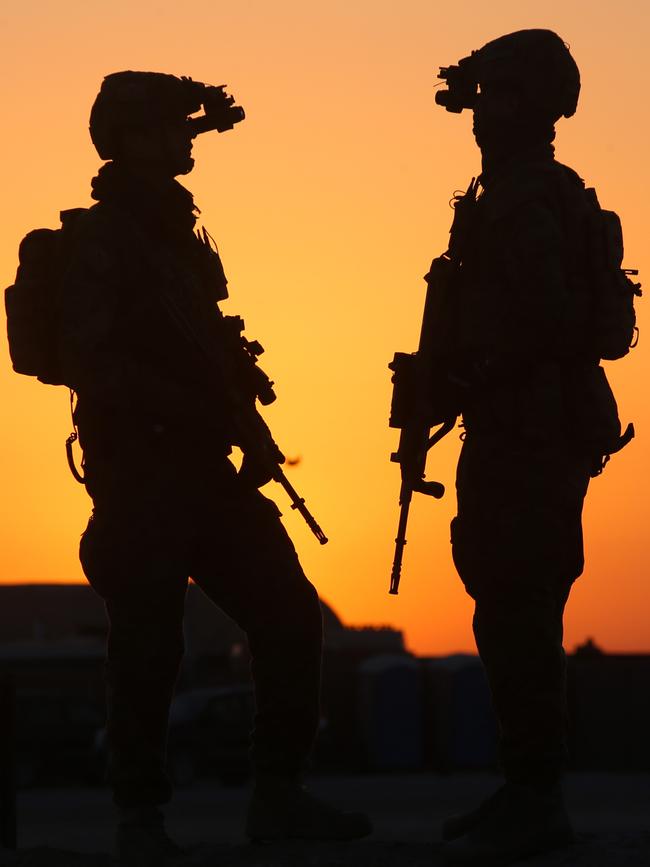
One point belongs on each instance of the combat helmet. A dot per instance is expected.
(535, 63)
(137, 99)
(147, 99)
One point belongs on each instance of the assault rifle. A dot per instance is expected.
(239, 381)
(425, 394)
(412, 409)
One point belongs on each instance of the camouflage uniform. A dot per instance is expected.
(538, 412)
(168, 504)
(534, 435)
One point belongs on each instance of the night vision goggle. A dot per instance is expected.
(536, 64)
(219, 109)
(462, 85)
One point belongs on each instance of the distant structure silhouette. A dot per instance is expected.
(527, 299)
(166, 385)
(588, 648)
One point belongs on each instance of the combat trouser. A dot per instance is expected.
(517, 545)
(154, 526)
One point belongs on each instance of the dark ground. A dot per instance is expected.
(73, 827)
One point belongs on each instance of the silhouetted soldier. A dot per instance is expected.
(528, 330)
(168, 503)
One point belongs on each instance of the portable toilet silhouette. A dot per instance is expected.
(390, 712)
(460, 725)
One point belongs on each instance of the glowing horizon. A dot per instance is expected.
(328, 204)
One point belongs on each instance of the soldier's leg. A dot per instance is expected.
(144, 596)
(517, 545)
(518, 548)
(145, 648)
(250, 569)
(519, 639)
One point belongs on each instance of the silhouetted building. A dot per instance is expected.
(382, 707)
(609, 703)
(63, 627)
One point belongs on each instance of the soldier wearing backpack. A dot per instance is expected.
(538, 298)
(156, 431)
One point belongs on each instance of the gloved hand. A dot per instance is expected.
(253, 473)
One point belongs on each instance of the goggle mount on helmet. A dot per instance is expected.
(131, 99)
(219, 109)
(462, 86)
(535, 63)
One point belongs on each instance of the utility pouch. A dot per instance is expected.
(593, 414)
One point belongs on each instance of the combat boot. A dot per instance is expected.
(283, 809)
(142, 840)
(517, 822)
(458, 826)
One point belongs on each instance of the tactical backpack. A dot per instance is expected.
(32, 301)
(606, 286)
(32, 306)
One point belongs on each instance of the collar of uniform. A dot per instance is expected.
(524, 177)
(494, 174)
(168, 205)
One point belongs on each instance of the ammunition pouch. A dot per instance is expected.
(593, 414)
(439, 401)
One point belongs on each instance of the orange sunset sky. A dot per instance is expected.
(328, 204)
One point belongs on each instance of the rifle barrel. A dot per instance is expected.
(298, 503)
(400, 541)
